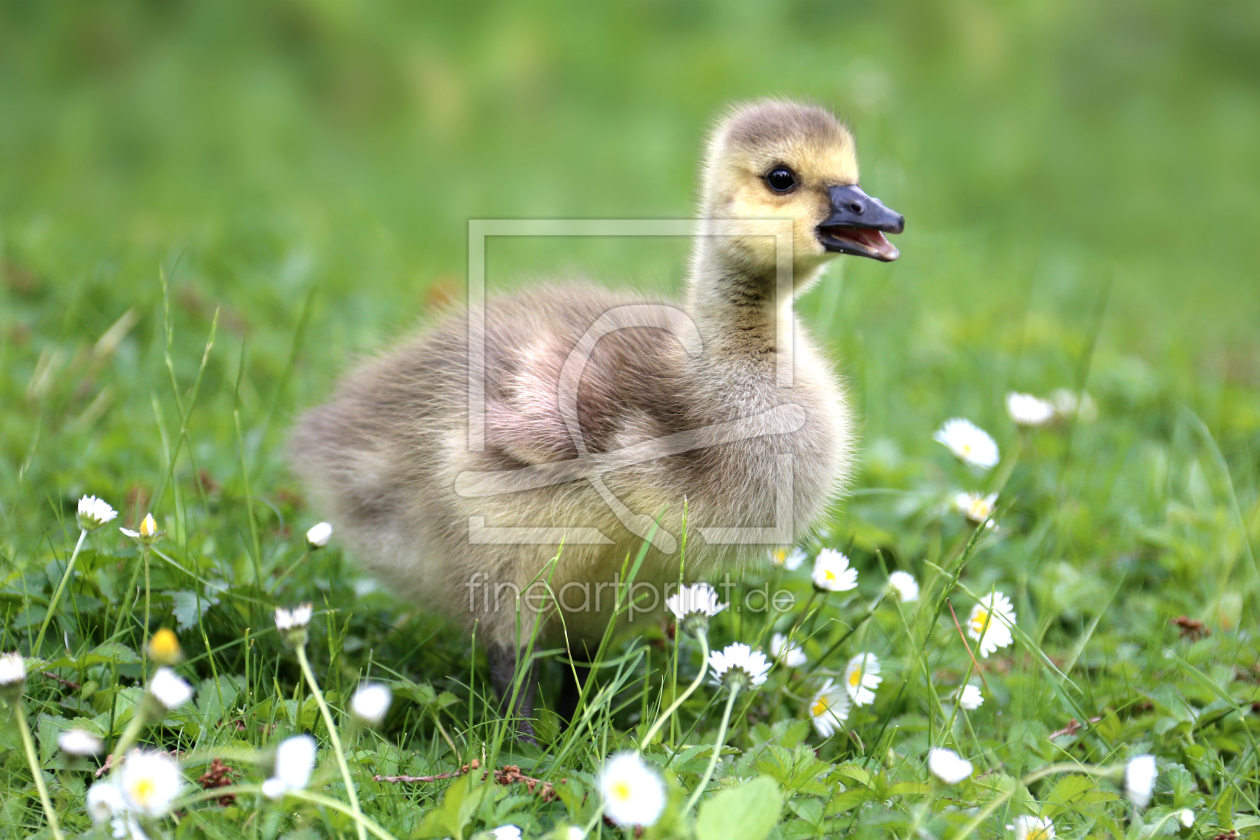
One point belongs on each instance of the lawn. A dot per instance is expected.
(208, 211)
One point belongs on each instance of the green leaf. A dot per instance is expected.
(748, 812)
(422, 694)
(189, 607)
(797, 770)
(909, 789)
(847, 800)
(855, 773)
(1073, 791)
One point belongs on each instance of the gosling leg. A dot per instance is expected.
(504, 662)
(575, 676)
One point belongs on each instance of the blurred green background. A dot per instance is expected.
(1079, 179)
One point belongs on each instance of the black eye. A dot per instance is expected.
(780, 179)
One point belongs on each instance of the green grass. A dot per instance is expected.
(207, 210)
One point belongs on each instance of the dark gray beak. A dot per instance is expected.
(857, 225)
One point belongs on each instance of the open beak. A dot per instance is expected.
(857, 225)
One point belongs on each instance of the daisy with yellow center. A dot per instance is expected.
(861, 678)
(1033, 828)
(148, 533)
(789, 558)
(150, 782)
(969, 443)
(633, 793)
(829, 708)
(737, 666)
(990, 623)
(976, 508)
(832, 572)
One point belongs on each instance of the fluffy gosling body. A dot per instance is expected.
(601, 415)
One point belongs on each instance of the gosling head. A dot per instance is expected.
(780, 160)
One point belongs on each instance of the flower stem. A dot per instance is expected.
(717, 751)
(52, 605)
(678, 701)
(351, 794)
(19, 711)
(132, 732)
(144, 633)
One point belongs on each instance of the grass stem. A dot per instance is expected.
(52, 605)
(28, 742)
(680, 699)
(718, 743)
(334, 739)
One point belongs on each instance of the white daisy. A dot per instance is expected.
(970, 697)
(738, 666)
(1033, 828)
(294, 619)
(1069, 404)
(12, 670)
(861, 678)
(977, 508)
(169, 688)
(93, 513)
(104, 801)
(370, 702)
(295, 760)
(1027, 410)
(832, 571)
(148, 533)
(968, 442)
(829, 708)
(990, 623)
(948, 766)
(693, 606)
(904, 584)
(318, 535)
(697, 599)
(506, 832)
(150, 782)
(79, 742)
(789, 653)
(633, 793)
(789, 558)
(572, 832)
(1139, 780)
(1186, 816)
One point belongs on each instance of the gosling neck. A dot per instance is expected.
(734, 303)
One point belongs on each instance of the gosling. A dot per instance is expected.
(503, 468)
